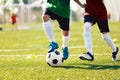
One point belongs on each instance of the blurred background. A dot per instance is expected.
(29, 11)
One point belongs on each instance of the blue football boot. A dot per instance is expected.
(52, 46)
(65, 53)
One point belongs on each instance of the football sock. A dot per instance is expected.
(48, 30)
(87, 37)
(109, 41)
(65, 40)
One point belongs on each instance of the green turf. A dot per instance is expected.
(15, 46)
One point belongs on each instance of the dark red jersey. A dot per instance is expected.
(96, 8)
(13, 18)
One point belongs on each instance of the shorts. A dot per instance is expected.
(63, 22)
(102, 24)
(13, 22)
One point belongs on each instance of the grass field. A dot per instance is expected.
(15, 46)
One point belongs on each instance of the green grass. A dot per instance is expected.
(16, 45)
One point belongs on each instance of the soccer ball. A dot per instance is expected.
(54, 58)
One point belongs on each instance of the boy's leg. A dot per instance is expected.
(110, 43)
(65, 40)
(49, 33)
(88, 42)
(104, 29)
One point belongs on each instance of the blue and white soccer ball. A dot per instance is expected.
(54, 58)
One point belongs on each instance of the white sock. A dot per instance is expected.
(48, 30)
(87, 37)
(65, 40)
(109, 41)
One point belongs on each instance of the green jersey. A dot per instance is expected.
(59, 7)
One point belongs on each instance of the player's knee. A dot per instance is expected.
(65, 33)
(87, 27)
(45, 18)
(103, 35)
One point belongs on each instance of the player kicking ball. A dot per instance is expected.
(58, 10)
(95, 12)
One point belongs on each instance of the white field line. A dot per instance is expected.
(17, 50)
(43, 55)
(93, 46)
(14, 50)
(20, 55)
